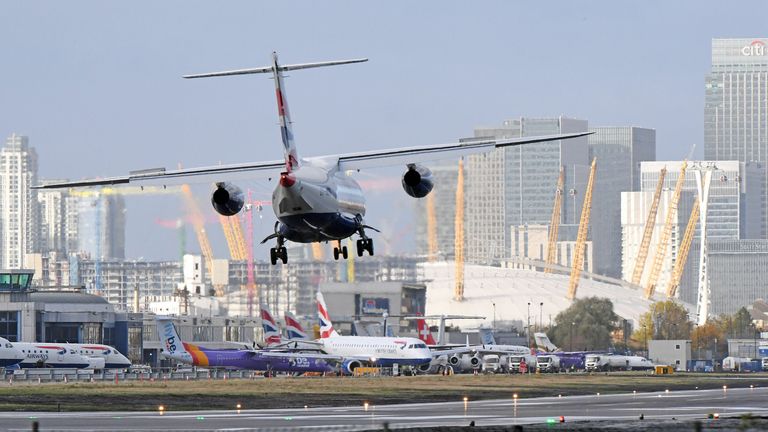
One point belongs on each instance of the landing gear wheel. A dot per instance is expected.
(283, 254)
(365, 244)
(344, 252)
(336, 253)
(370, 247)
(273, 256)
(360, 247)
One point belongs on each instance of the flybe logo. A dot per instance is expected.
(756, 48)
(170, 339)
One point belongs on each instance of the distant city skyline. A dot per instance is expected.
(97, 87)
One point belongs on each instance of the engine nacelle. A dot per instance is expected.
(227, 199)
(464, 362)
(349, 366)
(417, 181)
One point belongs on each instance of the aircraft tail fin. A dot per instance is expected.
(294, 328)
(486, 336)
(424, 334)
(286, 130)
(543, 342)
(326, 326)
(172, 345)
(271, 331)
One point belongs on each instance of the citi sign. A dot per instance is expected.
(756, 48)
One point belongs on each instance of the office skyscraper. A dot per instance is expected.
(515, 186)
(736, 104)
(19, 215)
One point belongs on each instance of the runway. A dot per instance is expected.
(681, 405)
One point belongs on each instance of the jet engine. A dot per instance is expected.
(349, 366)
(227, 199)
(417, 181)
(464, 362)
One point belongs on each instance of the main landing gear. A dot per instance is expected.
(340, 250)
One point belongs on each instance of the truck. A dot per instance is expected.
(733, 364)
(548, 363)
(603, 362)
(491, 364)
(516, 361)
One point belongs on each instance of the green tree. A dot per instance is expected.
(665, 320)
(587, 324)
(740, 325)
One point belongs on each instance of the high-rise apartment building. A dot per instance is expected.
(619, 151)
(101, 226)
(736, 105)
(59, 220)
(19, 214)
(515, 186)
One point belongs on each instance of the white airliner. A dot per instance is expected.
(367, 350)
(315, 200)
(113, 359)
(37, 355)
(9, 354)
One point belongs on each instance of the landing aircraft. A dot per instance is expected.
(315, 200)
(175, 348)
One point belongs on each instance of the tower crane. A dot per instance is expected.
(682, 253)
(642, 254)
(431, 229)
(198, 222)
(458, 292)
(554, 223)
(661, 247)
(581, 238)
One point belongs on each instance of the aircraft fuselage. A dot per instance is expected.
(314, 204)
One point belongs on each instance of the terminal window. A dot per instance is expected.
(9, 325)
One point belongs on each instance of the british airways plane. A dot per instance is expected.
(314, 199)
(369, 350)
(9, 354)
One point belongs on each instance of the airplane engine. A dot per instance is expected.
(417, 181)
(349, 366)
(464, 362)
(227, 199)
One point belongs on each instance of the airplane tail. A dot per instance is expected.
(543, 342)
(424, 334)
(486, 336)
(294, 328)
(286, 129)
(326, 326)
(172, 345)
(271, 331)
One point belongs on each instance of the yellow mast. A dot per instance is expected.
(581, 238)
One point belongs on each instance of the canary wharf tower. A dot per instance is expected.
(736, 104)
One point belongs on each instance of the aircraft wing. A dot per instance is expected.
(408, 155)
(343, 162)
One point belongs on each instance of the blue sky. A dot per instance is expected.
(96, 85)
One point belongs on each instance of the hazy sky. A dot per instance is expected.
(97, 85)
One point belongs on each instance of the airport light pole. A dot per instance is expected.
(528, 326)
(494, 314)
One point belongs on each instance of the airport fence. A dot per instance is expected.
(80, 375)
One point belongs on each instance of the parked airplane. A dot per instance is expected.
(269, 361)
(113, 359)
(369, 350)
(568, 360)
(315, 200)
(9, 354)
(39, 355)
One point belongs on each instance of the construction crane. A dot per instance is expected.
(233, 233)
(682, 253)
(431, 229)
(317, 251)
(581, 238)
(458, 292)
(554, 223)
(661, 247)
(650, 222)
(198, 223)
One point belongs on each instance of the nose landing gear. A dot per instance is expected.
(279, 252)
